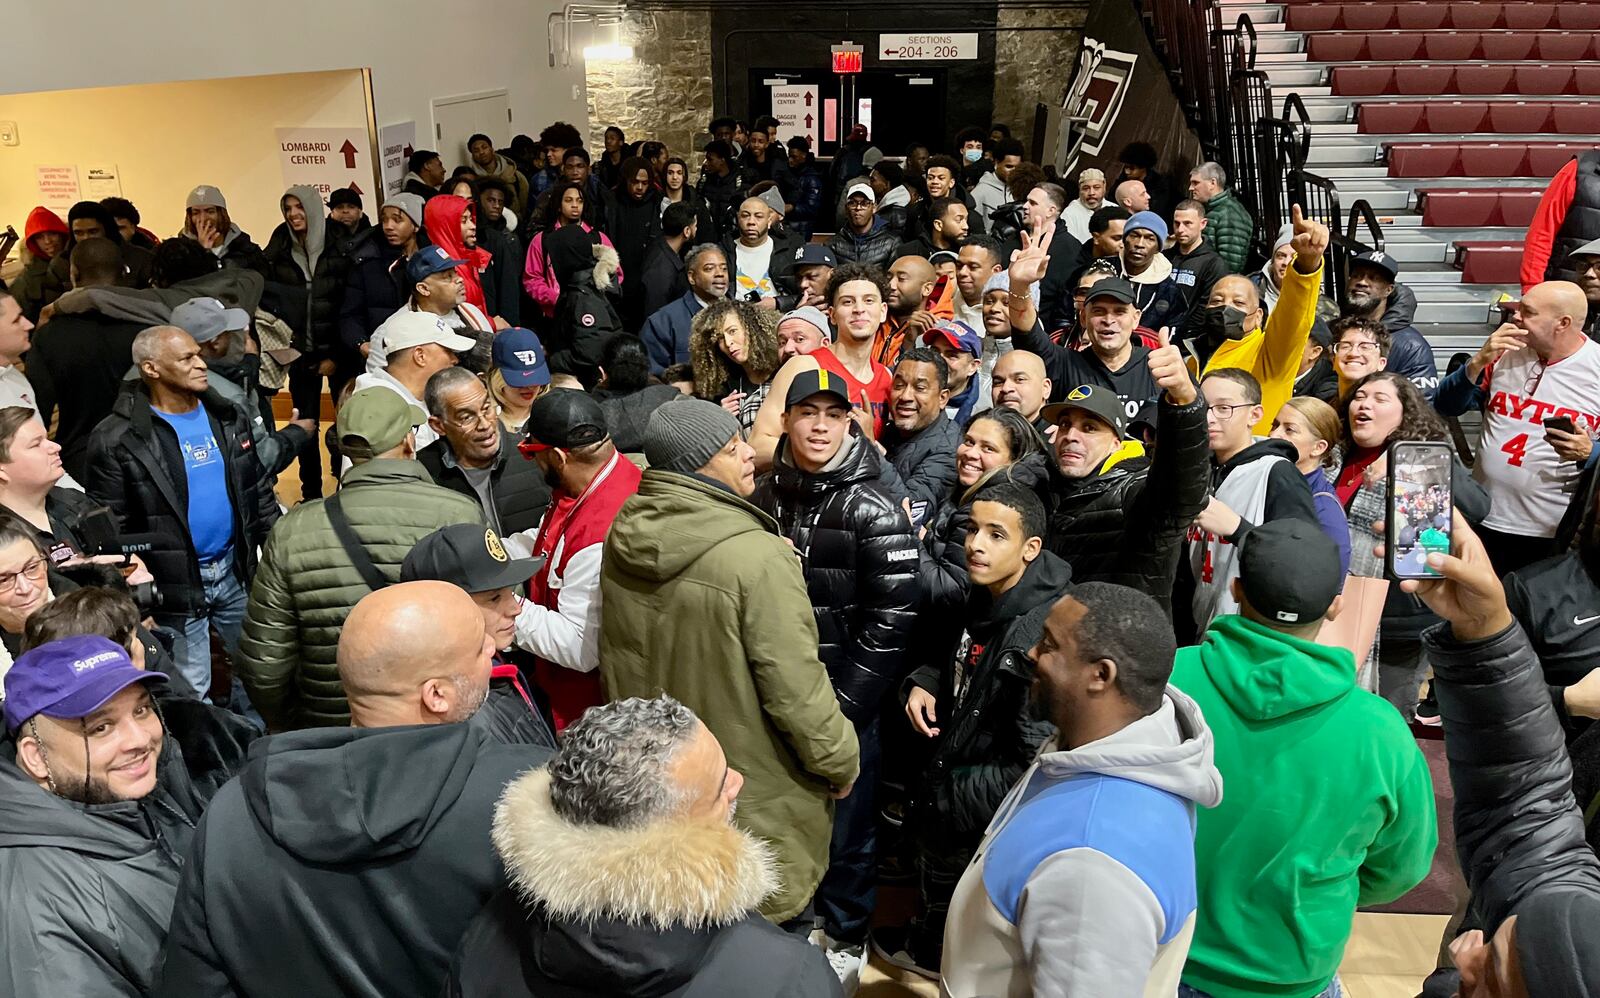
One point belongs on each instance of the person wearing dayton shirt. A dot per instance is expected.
(589, 482)
(1538, 367)
(858, 299)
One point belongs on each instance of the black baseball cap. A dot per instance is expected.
(818, 382)
(814, 255)
(1101, 403)
(1289, 570)
(468, 555)
(1378, 259)
(565, 418)
(1114, 288)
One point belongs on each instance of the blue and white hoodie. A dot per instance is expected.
(1085, 881)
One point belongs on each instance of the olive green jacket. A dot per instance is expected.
(702, 599)
(307, 585)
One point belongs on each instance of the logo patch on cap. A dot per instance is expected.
(527, 357)
(799, 252)
(822, 379)
(492, 544)
(83, 665)
(588, 319)
(1080, 393)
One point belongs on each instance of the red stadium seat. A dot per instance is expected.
(1313, 17)
(1508, 46)
(1422, 16)
(1423, 79)
(1474, 16)
(1517, 207)
(1483, 78)
(1336, 47)
(1545, 158)
(1493, 159)
(1563, 46)
(1361, 81)
(1519, 117)
(1528, 16)
(1386, 118)
(1423, 159)
(1489, 263)
(1449, 45)
(1586, 80)
(1578, 17)
(1459, 208)
(1368, 16)
(1575, 118)
(1540, 81)
(1454, 117)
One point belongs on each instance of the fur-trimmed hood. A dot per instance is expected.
(606, 265)
(669, 874)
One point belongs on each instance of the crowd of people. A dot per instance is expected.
(718, 541)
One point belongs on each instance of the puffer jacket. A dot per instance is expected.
(926, 461)
(586, 316)
(1229, 228)
(943, 565)
(136, 468)
(877, 246)
(860, 562)
(1126, 523)
(90, 888)
(308, 303)
(806, 197)
(988, 731)
(694, 573)
(516, 485)
(375, 289)
(1519, 832)
(307, 586)
(29, 286)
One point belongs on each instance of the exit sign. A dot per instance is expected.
(847, 58)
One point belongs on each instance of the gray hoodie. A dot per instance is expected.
(1085, 881)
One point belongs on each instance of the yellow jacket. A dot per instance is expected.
(1273, 354)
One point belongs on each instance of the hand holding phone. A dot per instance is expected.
(1418, 521)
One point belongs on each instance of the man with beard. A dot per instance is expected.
(1044, 205)
(1091, 195)
(920, 442)
(489, 163)
(1156, 293)
(1098, 833)
(589, 481)
(666, 332)
(634, 222)
(761, 259)
(99, 809)
(813, 268)
(865, 237)
(912, 280)
(476, 456)
(661, 271)
(1367, 296)
(1196, 265)
(946, 229)
(1020, 384)
(327, 829)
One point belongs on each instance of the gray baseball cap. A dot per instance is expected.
(207, 318)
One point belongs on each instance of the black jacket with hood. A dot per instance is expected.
(375, 289)
(988, 730)
(1126, 523)
(586, 312)
(89, 889)
(943, 564)
(342, 862)
(633, 225)
(860, 561)
(628, 413)
(667, 909)
(926, 461)
(306, 278)
(136, 468)
(780, 266)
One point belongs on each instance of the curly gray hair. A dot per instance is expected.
(699, 250)
(613, 766)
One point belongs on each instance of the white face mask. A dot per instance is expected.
(972, 155)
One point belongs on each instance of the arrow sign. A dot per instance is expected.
(808, 120)
(808, 98)
(356, 187)
(349, 150)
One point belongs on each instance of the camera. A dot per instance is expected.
(98, 536)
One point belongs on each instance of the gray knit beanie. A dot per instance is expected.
(411, 204)
(685, 434)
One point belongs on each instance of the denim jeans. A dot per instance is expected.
(1333, 990)
(225, 600)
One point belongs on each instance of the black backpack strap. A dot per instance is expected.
(352, 544)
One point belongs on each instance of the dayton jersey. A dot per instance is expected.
(1528, 483)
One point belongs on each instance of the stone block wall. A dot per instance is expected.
(664, 92)
(1033, 66)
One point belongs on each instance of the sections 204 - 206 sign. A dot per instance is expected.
(927, 46)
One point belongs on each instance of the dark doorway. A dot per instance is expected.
(906, 105)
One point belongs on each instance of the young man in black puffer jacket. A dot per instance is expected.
(860, 561)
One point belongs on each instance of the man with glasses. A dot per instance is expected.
(328, 553)
(1537, 381)
(1252, 482)
(1360, 347)
(589, 480)
(476, 456)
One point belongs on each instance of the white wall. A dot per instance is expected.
(417, 50)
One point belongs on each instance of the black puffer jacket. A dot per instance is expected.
(943, 565)
(516, 484)
(628, 413)
(586, 312)
(136, 468)
(989, 733)
(502, 279)
(310, 307)
(926, 461)
(1126, 524)
(376, 288)
(860, 561)
(1519, 832)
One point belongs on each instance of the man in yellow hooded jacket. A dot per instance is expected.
(1232, 333)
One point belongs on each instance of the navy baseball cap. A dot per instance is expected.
(69, 679)
(427, 261)
(814, 254)
(1380, 260)
(521, 358)
(958, 334)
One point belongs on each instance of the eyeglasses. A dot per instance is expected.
(484, 415)
(1225, 412)
(33, 568)
(1355, 346)
(1535, 376)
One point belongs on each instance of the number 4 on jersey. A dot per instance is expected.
(1516, 447)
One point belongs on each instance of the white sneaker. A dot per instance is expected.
(846, 962)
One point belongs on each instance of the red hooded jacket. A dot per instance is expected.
(41, 220)
(441, 217)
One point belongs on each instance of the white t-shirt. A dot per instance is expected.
(1529, 485)
(754, 265)
(1075, 216)
(383, 379)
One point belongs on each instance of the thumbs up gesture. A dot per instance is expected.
(1310, 242)
(1169, 372)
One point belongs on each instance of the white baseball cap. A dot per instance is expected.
(407, 329)
(863, 188)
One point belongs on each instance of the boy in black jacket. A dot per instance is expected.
(975, 707)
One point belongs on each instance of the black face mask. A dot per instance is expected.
(1223, 322)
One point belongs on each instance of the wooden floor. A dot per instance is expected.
(1388, 957)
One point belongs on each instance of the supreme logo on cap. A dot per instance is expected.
(83, 665)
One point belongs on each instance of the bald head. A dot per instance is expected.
(1020, 383)
(95, 263)
(1131, 194)
(911, 279)
(414, 653)
(1553, 314)
(1240, 292)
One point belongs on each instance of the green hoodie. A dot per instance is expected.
(1329, 806)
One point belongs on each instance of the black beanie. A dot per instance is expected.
(344, 195)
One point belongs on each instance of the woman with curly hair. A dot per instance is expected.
(733, 347)
(1382, 408)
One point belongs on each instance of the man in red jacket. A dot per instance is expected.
(1567, 217)
(589, 481)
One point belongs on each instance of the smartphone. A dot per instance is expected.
(1420, 507)
(1562, 423)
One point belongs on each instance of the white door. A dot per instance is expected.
(456, 119)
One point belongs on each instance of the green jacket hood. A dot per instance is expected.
(674, 520)
(1265, 674)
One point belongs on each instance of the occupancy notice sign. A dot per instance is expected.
(928, 46)
(326, 158)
